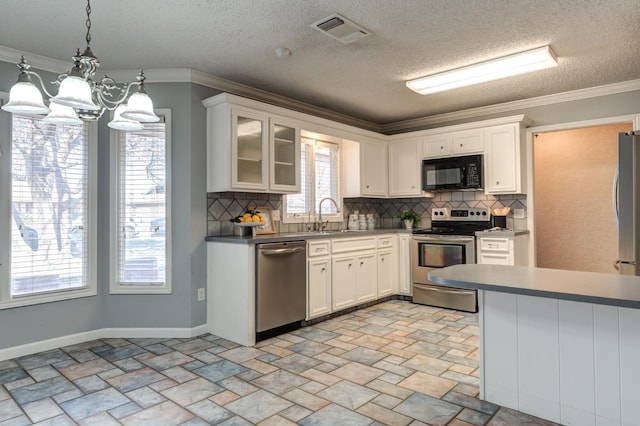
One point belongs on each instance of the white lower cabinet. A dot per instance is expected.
(319, 287)
(366, 279)
(387, 273)
(502, 250)
(318, 278)
(345, 272)
(343, 282)
(405, 285)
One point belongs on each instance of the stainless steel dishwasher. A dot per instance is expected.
(281, 287)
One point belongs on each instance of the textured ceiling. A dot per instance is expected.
(596, 41)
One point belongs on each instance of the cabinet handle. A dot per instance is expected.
(497, 182)
(361, 263)
(413, 187)
(461, 145)
(441, 147)
(367, 186)
(382, 259)
(322, 270)
(349, 265)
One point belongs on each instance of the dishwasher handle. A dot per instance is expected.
(275, 252)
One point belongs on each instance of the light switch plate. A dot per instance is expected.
(201, 294)
(518, 213)
(276, 215)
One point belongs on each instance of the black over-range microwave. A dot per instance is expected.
(453, 173)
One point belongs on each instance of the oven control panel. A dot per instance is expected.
(461, 214)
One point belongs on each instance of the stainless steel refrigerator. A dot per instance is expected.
(626, 200)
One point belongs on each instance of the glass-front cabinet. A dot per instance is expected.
(285, 156)
(249, 150)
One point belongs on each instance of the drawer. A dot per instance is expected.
(318, 248)
(495, 259)
(494, 244)
(385, 241)
(342, 245)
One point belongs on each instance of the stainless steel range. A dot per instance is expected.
(450, 241)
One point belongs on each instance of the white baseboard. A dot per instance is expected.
(103, 333)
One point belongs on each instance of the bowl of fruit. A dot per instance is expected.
(249, 219)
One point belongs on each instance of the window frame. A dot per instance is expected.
(305, 217)
(90, 289)
(116, 287)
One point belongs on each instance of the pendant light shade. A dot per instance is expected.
(121, 123)
(140, 108)
(62, 114)
(76, 93)
(25, 98)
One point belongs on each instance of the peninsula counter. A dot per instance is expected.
(561, 345)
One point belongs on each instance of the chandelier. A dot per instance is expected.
(81, 96)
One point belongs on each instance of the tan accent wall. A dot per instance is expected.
(573, 176)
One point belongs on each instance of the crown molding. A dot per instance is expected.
(7, 54)
(574, 95)
(240, 89)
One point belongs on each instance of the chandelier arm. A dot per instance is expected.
(42, 86)
(113, 104)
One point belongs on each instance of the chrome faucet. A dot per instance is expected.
(321, 225)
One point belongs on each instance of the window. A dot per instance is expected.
(49, 226)
(319, 179)
(140, 237)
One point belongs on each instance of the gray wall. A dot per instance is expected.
(180, 309)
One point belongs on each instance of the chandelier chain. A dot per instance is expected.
(88, 22)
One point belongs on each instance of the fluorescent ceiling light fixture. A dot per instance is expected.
(507, 66)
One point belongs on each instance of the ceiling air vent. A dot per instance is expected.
(340, 28)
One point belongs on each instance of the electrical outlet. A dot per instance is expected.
(276, 215)
(200, 294)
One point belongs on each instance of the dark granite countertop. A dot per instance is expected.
(290, 236)
(589, 287)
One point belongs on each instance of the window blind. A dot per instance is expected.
(49, 206)
(141, 208)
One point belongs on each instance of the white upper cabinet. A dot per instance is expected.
(364, 168)
(284, 142)
(404, 168)
(373, 169)
(437, 145)
(250, 150)
(453, 143)
(468, 142)
(505, 166)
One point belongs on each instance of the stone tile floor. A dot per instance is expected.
(395, 363)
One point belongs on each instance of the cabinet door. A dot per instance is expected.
(437, 146)
(468, 142)
(502, 160)
(319, 287)
(343, 292)
(373, 169)
(404, 169)
(405, 284)
(387, 273)
(284, 176)
(249, 151)
(366, 277)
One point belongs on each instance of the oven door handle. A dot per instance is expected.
(444, 240)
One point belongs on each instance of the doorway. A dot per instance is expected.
(573, 180)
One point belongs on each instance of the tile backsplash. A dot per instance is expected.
(223, 206)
